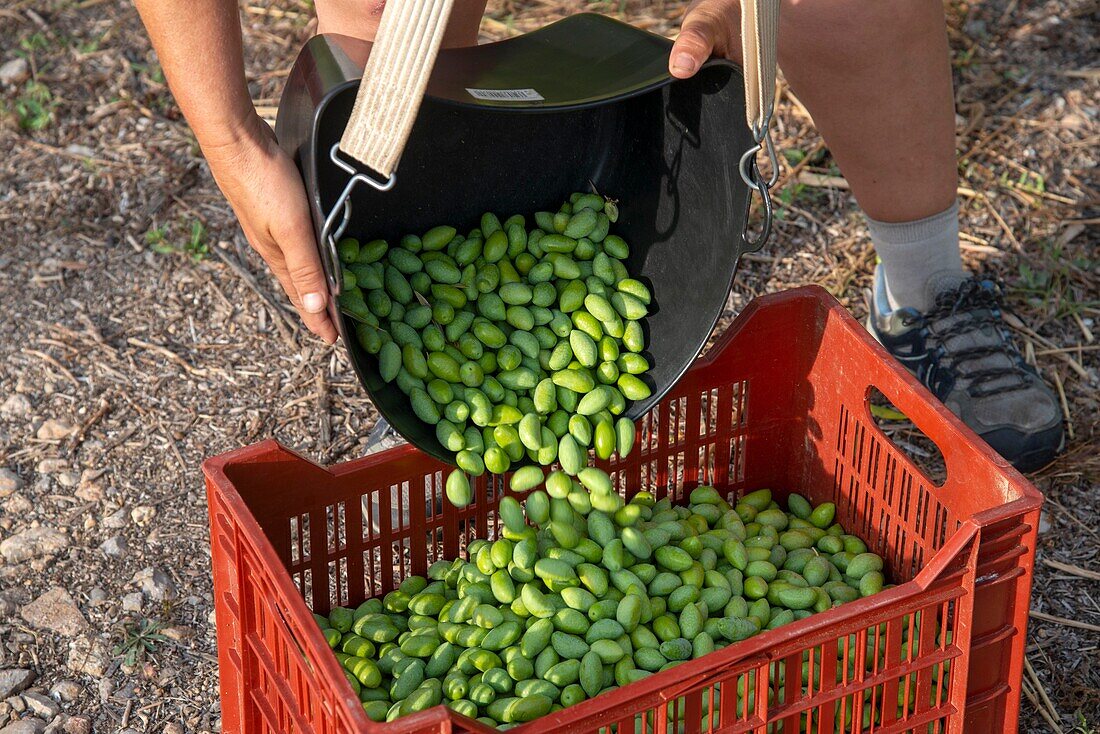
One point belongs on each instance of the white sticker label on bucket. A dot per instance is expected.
(506, 95)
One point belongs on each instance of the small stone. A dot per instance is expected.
(24, 726)
(173, 728)
(155, 584)
(89, 492)
(14, 71)
(33, 543)
(52, 466)
(97, 596)
(57, 726)
(14, 680)
(88, 488)
(115, 546)
(88, 655)
(16, 704)
(66, 690)
(55, 610)
(17, 505)
(68, 479)
(54, 430)
(42, 706)
(78, 725)
(132, 602)
(117, 519)
(17, 405)
(178, 633)
(143, 514)
(9, 482)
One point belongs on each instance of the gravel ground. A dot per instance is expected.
(142, 335)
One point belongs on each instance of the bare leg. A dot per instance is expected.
(360, 20)
(876, 76)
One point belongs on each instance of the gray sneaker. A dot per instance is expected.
(962, 351)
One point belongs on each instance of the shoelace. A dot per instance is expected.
(978, 302)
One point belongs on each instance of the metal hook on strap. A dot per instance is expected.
(342, 210)
(751, 180)
(751, 175)
(762, 187)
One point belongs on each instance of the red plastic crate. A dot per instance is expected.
(780, 402)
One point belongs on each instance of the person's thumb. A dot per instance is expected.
(303, 265)
(694, 44)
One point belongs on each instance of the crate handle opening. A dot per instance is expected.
(906, 435)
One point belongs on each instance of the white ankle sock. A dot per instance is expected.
(913, 252)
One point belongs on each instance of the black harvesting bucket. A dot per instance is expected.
(515, 127)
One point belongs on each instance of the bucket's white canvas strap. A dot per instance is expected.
(759, 44)
(394, 81)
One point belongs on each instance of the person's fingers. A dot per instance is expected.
(303, 265)
(710, 27)
(698, 35)
(273, 256)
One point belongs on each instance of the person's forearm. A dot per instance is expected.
(199, 45)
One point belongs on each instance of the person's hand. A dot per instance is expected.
(710, 27)
(265, 190)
